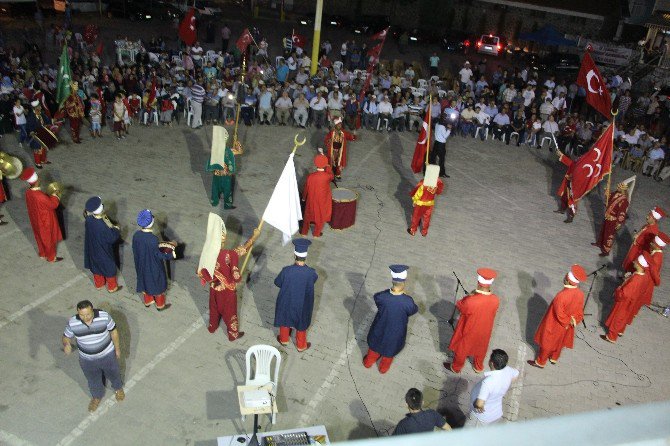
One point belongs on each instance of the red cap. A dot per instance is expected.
(29, 175)
(320, 161)
(486, 276)
(658, 213)
(577, 274)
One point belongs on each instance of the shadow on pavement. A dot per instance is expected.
(532, 311)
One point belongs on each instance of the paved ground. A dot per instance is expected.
(496, 211)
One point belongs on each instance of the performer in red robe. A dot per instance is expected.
(615, 216)
(568, 204)
(336, 147)
(643, 237)
(473, 332)
(42, 215)
(3, 198)
(223, 287)
(626, 296)
(423, 198)
(74, 108)
(655, 252)
(317, 197)
(557, 329)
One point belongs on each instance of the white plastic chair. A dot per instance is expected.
(435, 78)
(277, 59)
(441, 93)
(262, 373)
(211, 56)
(512, 134)
(486, 132)
(337, 66)
(422, 83)
(154, 114)
(420, 91)
(546, 138)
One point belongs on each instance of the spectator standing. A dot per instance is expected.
(487, 394)
(118, 110)
(434, 63)
(225, 37)
(99, 350)
(465, 75)
(20, 120)
(419, 420)
(197, 98)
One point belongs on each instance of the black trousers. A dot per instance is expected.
(440, 152)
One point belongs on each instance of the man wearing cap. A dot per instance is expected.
(318, 197)
(336, 147)
(626, 297)
(615, 216)
(655, 253)
(388, 331)
(643, 237)
(74, 109)
(151, 276)
(100, 236)
(42, 215)
(557, 329)
(423, 198)
(34, 121)
(295, 301)
(475, 325)
(223, 286)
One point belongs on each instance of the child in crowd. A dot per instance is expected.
(95, 115)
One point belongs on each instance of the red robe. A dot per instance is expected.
(318, 200)
(42, 215)
(565, 189)
(337, 156)
(615, 216)
(625, 299)
(555, 331)
(473, 332)
(423, 199)
(640, 242)
(654, 272)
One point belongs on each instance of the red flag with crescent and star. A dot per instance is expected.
(592, 167)
(187, 32)
(298, 40)
(590, 79)
(244, 41)
(421, 147)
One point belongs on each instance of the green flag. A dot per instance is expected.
(64, 77)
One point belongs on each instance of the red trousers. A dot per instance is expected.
(545, 354)
(318, 227)
(158, 299)
(423, 214)
(372, 357)
(40, 156)
(300, 337)
(223, 305)
(75, 126)
(459, 361)
(99, 281)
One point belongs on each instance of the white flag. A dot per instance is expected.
(283, 211)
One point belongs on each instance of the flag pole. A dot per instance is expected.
(237, 146)
(609, 175)
(430, 106)
(260, 224)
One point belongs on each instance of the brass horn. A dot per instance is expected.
(10, 166)
(55, 188)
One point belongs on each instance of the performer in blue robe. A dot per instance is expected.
(295, 301)
(388, 331)
(99, 240)
(151, 276)
(34, 121)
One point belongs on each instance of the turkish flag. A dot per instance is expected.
(590, 79)
(376, 50)
(299, 40)
(244, 41)
(419, 158)
(592, 167)
(187, 32)
(381, 35)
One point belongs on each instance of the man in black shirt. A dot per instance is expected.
(419, 420)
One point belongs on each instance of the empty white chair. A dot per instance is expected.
(486, 132)
(546, 138)
(277, 59)
(420, 91)
(262, 371)
(512, 134)
(422, 83)
(441, 93)
(435, 78)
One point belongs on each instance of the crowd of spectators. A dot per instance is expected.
(515, 105)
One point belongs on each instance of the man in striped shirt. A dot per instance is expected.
(197, 98)
(99, 350)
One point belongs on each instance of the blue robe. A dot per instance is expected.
(99, 240)
(389, 329)
(295, 301)
(151, 276)
(32, 124)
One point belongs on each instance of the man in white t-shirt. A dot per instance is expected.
(465, 75)
(487, 395)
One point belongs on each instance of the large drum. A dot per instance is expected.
(344, 208)
(45, 137)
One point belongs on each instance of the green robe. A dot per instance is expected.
(222, 180)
